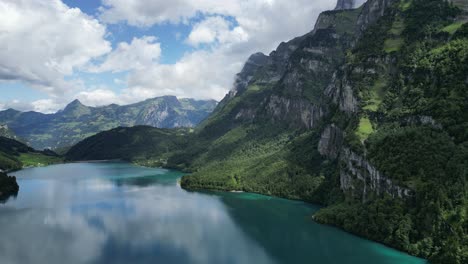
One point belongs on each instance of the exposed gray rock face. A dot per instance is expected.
(243, 78)
(298, 112)
(360, 178)
(340, 91)
(303, 70)
(345, 4)
(331, 142)
(349, 4)
(371, 12)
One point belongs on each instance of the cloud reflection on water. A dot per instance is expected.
(101, 220)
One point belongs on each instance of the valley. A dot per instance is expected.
(346, 116)
(362, 123)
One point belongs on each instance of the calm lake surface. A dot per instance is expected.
(121, 213)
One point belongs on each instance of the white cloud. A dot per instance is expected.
(43, 105)
(98, 97)
(209, 73)
(46, 105)
(200, 75)
(46, 41)
(146, 13)
(140, 53)
(216, 29)
(42, 42)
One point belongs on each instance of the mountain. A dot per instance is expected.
(366, 115)
(78, 121)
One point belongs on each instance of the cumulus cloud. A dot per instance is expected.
(46, 105)
(146, 13)
(202, 74)
(140, 53)
(216, 29)
(99, 97)
(42, 42)
(209, 72)
(43, 105)
(46, 42)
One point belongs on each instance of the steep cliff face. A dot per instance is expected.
(317, 75)
(299, 84)
(253, 64)
(293, 78)
(360, 179)
(301, 77)
(348, 4)
(372, 11)
(345, 4)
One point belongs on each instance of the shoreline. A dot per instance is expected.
(312, 216)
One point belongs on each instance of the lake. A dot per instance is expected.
(121, 213)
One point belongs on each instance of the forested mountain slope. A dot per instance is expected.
(366, 114)
(15, 155)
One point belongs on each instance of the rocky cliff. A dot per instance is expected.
(345, 4)
(304, 79)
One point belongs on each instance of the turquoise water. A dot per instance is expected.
(120, 213)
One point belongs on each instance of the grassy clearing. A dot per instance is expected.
(405, 5)
(38, 160)
(393, 44)
(452, 28)
(364, 129)
(376, 95)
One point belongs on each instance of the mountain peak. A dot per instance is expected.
(76, 108)
(75, 102)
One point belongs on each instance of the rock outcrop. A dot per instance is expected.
(371, 12)
(348, 4)
(345, 4)
(244, 77)
(331, 142)
(361, 179)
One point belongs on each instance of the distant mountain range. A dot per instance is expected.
(78, 121)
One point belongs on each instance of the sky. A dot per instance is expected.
(125, 51)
